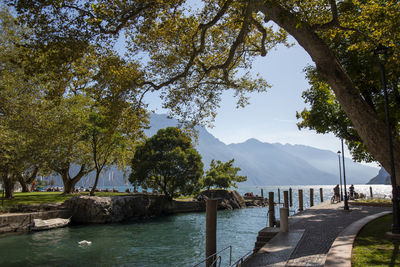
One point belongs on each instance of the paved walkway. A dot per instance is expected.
(321, 224)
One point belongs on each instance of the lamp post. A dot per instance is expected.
(381, 51)
(346, 203)
(340, 179)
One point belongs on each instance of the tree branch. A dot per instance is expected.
(261, 29)
(203, 30)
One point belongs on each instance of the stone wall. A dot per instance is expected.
(22, 222)
(87, 209)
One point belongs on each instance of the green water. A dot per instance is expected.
(169, 241)
(177, 240)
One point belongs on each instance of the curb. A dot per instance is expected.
(340, 252)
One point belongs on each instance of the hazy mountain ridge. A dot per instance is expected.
(383, 177)
(272, 164)
(263, 163)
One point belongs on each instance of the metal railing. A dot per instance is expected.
(240, 261)
(219, 258)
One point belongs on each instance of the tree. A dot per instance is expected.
(325, 113)
(46, 103)
(167, 162)
(194, 56)
(222, 175)
(110, 145)
(18, 104)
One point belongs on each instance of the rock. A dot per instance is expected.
(39, 224)
(90, 209)
(226, 199)
(93, 209)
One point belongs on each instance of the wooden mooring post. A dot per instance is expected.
(301, 200)
(290, 197)
(311, 197)
(271, 209)
(321, 194)
(211, 231)
(279, 196)
(286, 202)
(262, 193)
(370, 192)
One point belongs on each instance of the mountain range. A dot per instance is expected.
(273, 164)
(263, 163)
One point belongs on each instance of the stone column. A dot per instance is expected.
(283, 212)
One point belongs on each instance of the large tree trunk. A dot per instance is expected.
(26, 179)
(370, 128)
(95, 183)
(69, 185)
(70, 182)
(8, 185)
(23, 184)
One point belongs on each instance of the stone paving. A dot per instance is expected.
(322, 224)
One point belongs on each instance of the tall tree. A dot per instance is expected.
(222, 175)
(18, 106)
(109, 143)
(167, 162)
(192, 56)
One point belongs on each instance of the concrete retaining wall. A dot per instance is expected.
(21, 222)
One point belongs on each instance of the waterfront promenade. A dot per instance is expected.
(321, 224)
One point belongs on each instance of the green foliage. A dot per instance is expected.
(191, 64)
(222, 175)
(325, 115)
(191, 56)
(57, 111)
(167, 162)
(356, 53)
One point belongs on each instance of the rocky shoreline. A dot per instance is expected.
(87, 209)
(114, 209)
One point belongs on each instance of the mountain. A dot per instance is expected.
(383, 177)
(262, 163)
(273, 164)
(328, 161)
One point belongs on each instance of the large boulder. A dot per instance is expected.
(227, 199)
(93, 209)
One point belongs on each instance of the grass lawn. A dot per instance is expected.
(375, 200)
(373, 248)
(35, 198)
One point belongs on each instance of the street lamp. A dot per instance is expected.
(340, 175)
(381, 51)
(346, 203)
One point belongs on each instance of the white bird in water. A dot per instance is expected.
(85, 242)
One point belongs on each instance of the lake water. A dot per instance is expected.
(177, 240)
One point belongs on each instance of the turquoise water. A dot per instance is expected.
(177, 240)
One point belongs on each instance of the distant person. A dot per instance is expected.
(351, 190)
(336, 193)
